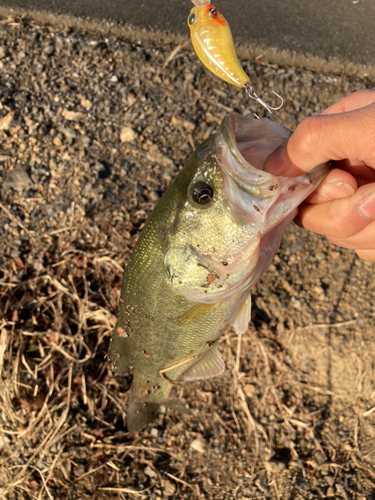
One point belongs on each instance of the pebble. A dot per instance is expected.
(86, 103)
(198, 445)
(274, 466)
(149, 471)
(17, 179)
(4, 440)
(127, 134)
(74, 116)
(154, 432)
(169, 488)
(6, 121)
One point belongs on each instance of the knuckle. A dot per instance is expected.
(307, 134)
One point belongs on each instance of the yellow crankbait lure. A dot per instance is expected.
(213, 43)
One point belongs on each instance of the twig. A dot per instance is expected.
(14, 219)
(367, 413)
(179, 480)
(3, 347)
(124, 490)
(171, 56)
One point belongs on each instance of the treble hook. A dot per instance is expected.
(249, 89)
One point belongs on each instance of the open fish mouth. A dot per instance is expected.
(243, 146)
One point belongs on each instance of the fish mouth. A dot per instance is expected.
(243, 146)
(250, 141)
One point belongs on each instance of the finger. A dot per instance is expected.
(366, 254)
(362, 173)
(364, 239)
(357, 100)
(336, 184)
(321, 138)
(340, 218)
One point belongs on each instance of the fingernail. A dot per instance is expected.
(335, 190)
(367, 206)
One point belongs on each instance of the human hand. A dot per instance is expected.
(343, 206)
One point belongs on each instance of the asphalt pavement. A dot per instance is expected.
(342, 29)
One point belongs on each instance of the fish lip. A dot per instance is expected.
(236, 129)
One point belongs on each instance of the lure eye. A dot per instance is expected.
(202, 193)
(191, 19)
(213, 12)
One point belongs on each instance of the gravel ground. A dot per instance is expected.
(92, 131)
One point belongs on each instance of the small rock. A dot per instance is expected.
(169, 488)
(330, 492)
(262, 483)
(131, 99)
(149, 471)
(37, 266)
(69, 133)
(17, 179)
(73, 116)
(249, 390)
(320, 256)
(5, 121)
(297, 304)
(85, 103)
(127, 134)
(303, 485)
(3, 441)
(198, 445)
(330, 480)
(154, 433)
(274, 466)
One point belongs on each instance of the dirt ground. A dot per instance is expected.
(92, 131)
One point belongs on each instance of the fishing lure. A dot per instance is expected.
(213, 43)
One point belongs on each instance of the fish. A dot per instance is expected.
(209, 239)
(213, 43)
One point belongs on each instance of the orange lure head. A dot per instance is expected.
(207, 16)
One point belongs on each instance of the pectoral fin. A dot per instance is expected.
(209, 365)
(243, 315)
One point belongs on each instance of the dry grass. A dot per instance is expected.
(62, 415)
(54, 329)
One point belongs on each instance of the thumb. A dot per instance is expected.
(321, 138)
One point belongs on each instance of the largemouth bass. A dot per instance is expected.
(210, 238)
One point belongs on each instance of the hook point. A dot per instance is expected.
(251, 93)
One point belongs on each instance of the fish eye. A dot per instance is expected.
(202, 193)
(191, 19)
(213, 12)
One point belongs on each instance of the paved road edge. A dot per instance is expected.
(169, 41)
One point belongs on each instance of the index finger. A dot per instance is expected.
(318, 139)
(359, 99)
